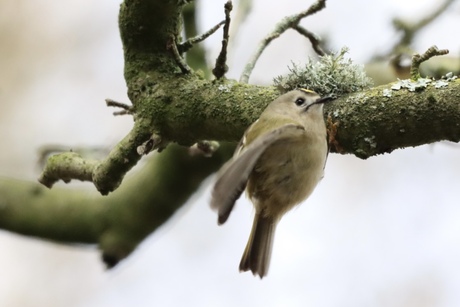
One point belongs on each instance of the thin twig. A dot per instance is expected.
(127, 109)
(196, 56)
(185, 46)
(280, 28)
(176, 54)
(314, 39)
(221, 66)
(418, 59)
(119, 113)
(410, 29)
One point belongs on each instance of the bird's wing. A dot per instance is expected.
(234, 174)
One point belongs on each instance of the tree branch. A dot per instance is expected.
(189, 43)
(280, 28)
(195, 57)
(117, 223)
(410, 29)
(418, 59)
(370, 123)
(313, 38)
(184, 108)
(221, 66)
(125, 109)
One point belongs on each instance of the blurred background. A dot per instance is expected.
(381, 232)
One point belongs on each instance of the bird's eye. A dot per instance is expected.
(299, 101)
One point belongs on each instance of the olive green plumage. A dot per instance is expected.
(279, 162)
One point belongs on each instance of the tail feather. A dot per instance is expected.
(256, 256)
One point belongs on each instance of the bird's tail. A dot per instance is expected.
(256, 256)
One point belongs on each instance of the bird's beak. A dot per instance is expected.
(325, 99)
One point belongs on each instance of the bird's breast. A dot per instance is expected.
(286, 173)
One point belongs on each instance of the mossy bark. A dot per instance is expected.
(184, 108)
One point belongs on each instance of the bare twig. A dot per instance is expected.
(127, 109)
(185, 46)
(418, 59)
(314, 39)
(411, 29)
(287, 23)
(221, 67)
(196, 56)
(176, 54)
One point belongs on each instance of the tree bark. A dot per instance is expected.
(183, 108)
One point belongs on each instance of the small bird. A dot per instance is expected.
(279, 162)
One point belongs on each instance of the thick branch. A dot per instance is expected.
(209, 112)
(146, 27)
(119, 222)
(61, 215)
(370, 123)
(187, 109)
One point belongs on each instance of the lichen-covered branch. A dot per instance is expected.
(418, 59)
(116, 223)
(331, 74)
(399, 121)
(187, 109)
(371, 123)
(170, 107)
(106, 174)
(67, 166)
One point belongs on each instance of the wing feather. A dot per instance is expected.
(233, 177)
